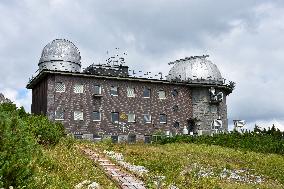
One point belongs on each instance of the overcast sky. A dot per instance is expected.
(245, 39)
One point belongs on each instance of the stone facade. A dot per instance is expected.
(204, 111)
(138, 105)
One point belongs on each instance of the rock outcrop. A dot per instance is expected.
(3, 99)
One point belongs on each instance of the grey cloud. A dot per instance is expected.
(154, 33)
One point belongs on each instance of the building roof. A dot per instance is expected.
(60, 50)
(195, 68)
(195, 83)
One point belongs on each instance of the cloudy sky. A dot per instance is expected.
(245, 39)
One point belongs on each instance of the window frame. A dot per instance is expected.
(144, 92)
(149, 119)
(100, 114)
(134, 118)
(175, 92)
(60, 91)
(112, 113)
(160, 118)
(100, 89)
(127, 89)
(76, 111)
(161, 90)
(112, 90)
(58, 119)
(78, 85)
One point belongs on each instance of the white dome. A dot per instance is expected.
(60, 54)
(195, 68)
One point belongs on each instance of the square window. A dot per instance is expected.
(96, 116)
(213, 109)
(175, 92)
(59, 87)
(78, 115)
(146, 118)
(162, 94)
(131, 117)
(113, 91)
(78, 88)
(114, 117)
(59, 114)
(97, 90)
(163, 118)
(130, 92)
(146, 93)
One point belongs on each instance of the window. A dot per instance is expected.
(176, 124)
(130, 92)
(213, 109)
(59, 114)
(175, 92)
(131, 117)
(146, 93)
(59, 87)
(147, 118)
(163, 118)
(96, 116)
(175, 108)
(97, 90)
(114, 117)
(113, 91)
(162, 94)
(78, 88)
(78, 115)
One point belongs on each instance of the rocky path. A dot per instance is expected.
(123, 179)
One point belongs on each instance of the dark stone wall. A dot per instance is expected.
(85, 102)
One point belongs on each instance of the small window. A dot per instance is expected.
(78, 115)
(162, 94)
(59, 114)
(97, 90)
(96, 116)
(175, 108)
(59, 87)
(130, 92)
(131, 118)
(114, 117)
(146, 118)
(146, 93)
(213, 109)
(113, 91)
(163, 118)
(78, 88)
(175, 92)
(176, 125)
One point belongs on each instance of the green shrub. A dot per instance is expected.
(268, 141)
(18, 151)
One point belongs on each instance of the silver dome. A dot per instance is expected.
(195, 68)
(60, 54)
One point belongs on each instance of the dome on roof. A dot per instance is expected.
(60, 54)
(195, 68)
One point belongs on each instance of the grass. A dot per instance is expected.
(64, 166)
(175, 162)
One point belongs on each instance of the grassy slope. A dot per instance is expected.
(171, 159)
(65, 167)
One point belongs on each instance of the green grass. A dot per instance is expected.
(64, 166)
(174, 161)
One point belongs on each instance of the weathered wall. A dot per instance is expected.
(204, 111)
(39, 98)
(85, 102)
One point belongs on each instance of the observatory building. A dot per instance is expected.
(109, 100)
